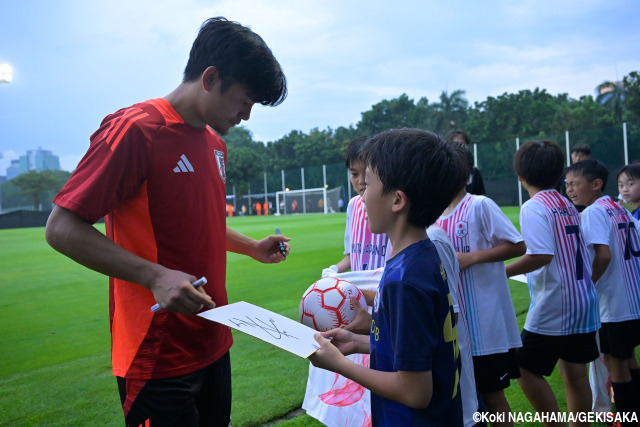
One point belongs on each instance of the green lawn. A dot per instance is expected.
(54, 336)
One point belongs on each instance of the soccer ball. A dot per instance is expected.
(326, 305)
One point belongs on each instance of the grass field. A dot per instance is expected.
(54, 334)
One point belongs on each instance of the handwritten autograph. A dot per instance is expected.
(269, 327)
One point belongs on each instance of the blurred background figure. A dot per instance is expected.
(580, 152)
(475, 185)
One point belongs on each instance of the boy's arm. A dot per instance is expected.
(343, 265)
(411, 388)
(501, 252)
(527, 263)
(601, 261)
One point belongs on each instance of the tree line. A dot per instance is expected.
(526, 114)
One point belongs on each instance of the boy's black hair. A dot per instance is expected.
(581, 148)
(353, 150)
(590, 170)
(539, 163)
(465, 154)
(633, 170)
(458, 134)
(241, 56)
(419, 163)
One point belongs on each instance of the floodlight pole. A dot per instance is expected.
(304, 198)
(566, 138)
(265, 187)
(324, 185)
(626, 146)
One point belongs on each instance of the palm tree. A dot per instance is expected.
(451, 112)
(612, 95)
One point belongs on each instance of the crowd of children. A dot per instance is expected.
(443, 337)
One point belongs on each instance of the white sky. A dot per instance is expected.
(76, 61)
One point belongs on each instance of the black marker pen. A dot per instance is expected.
(283, 248)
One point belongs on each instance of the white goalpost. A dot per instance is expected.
(310, 200)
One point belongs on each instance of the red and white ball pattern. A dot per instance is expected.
(325, 305)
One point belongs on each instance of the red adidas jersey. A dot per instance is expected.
(160, 184)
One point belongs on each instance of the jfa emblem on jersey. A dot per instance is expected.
(376, 302)
(220, 162)
(461, 229)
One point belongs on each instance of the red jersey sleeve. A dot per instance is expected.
(115, 166)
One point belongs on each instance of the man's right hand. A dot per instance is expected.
(174, 291)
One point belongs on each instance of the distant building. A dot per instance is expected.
(35, 160)
(13, 170)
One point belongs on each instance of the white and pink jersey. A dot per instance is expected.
(449, 261)
(607, 223)
(477, 223)
(563, 299)
(368, 251)
(331, 398)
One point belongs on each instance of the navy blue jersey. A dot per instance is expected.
(412, 329)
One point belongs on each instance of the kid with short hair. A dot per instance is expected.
(629, 186)
(411, 176)
(612, 238)
(484, 238)
(330, 398)
(363, 250)
(563, 316)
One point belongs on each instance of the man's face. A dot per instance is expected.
(578, 156)
(376, 204)
(356, 174)
(580, 190)
(224, 110)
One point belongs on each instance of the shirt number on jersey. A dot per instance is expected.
(450, 334)
(628, 250)
(575, 229)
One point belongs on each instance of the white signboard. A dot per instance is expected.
(266, 325)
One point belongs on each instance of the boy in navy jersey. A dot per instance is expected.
(411, 176)
(611, 235)
(563, 316)
(357, 237)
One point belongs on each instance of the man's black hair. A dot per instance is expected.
(419, 163)
(540, 163)
(241, 56)
(353, 150)
(591, 170)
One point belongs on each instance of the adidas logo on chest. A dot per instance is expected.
(183, 165)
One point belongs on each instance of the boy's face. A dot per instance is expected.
(629, 188)
(376, 205)
(356, 172)
(580, 190)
